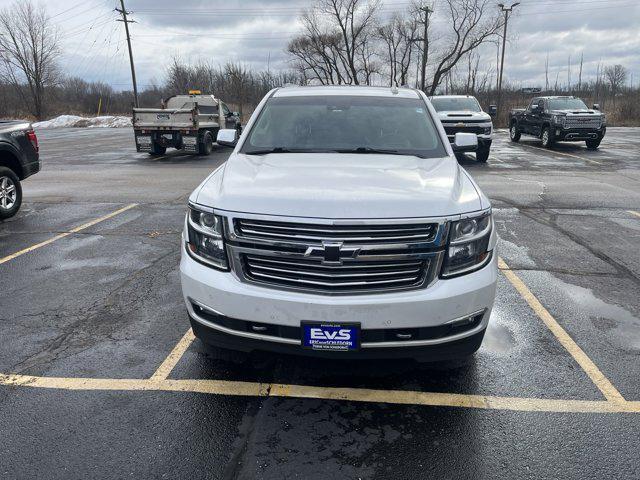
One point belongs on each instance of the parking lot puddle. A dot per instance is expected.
(618, 323)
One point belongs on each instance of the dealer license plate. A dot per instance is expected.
(329, 336)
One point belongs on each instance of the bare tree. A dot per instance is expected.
(398, 49)
(616, 76)
(335, 45)
(472, 23)
(580, 71)
(29, 47)
(473, 65)
(546, 74)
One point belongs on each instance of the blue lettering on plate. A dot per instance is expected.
(320, 336)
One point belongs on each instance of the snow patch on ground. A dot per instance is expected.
(74, 121)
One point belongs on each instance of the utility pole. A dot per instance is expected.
(425, 44)
(506, 11)
(126, 22)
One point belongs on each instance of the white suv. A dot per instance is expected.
(341, 226)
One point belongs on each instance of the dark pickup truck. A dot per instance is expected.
(554, 119)
(19, 159)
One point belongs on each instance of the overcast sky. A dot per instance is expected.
(255, 32)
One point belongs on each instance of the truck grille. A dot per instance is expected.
(351, 276)
(452, 130)
(349, 234)
(582, 122)
(336, 257)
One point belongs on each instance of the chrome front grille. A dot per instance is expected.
(336, 257)
(582, 122)
(351, 276)
(311, 232)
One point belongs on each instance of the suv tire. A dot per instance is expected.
(593, 144)
(10, 193)
(514, 132)
(547, 137)
(206, 146)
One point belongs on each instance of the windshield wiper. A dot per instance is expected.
(266, 151)
(375, 150)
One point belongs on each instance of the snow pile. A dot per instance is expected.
(68, 121)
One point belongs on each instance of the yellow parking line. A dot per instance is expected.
(169, 363)
(633, 212)
(562, 153)
(597, 377)
(65, 234)
(255, 389)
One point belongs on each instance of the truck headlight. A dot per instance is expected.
(468, 245)
(205, 238)
(558, 119)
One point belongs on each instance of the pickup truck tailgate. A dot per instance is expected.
(161, 118)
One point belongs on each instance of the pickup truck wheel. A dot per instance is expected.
(592, 144)
(206, 146)
(10, 193)
(482, 155)
(547, 137)
(514, 133)
(157, 149)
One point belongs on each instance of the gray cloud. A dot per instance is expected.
(251, 31)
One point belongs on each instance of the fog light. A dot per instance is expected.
(462, 322)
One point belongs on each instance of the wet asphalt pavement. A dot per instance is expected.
(105, 303)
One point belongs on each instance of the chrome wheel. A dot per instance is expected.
(513, 131)
(545, 138)
(8, 193)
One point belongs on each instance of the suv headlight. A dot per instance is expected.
(205, 238)
(468, 248)
(558, 119)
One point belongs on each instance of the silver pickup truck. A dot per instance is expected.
(185, 122)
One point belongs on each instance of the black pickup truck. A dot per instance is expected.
(554, 119)
(19, 159)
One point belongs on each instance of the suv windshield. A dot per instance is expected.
(452, 104)
(566, 104)
(347, 124)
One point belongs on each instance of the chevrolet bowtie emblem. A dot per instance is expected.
(332, 252)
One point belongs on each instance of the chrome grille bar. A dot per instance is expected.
(362, 234)
(369, 275)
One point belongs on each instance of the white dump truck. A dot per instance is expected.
(184, 122)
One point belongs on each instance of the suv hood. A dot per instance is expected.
(453, 116)
(326, 185)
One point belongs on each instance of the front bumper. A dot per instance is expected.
(224, 310)
(578, 134)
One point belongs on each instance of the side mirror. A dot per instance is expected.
(465, 142)
(596, 106)
(534, 108)
(227, 137)
(236, 114)
(493, 110)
